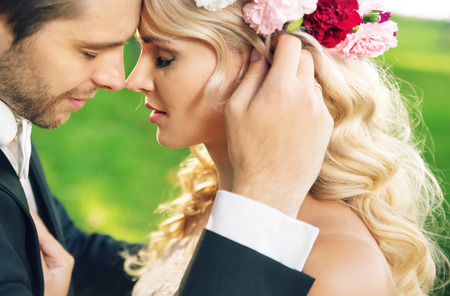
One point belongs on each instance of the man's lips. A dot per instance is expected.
(77, 103)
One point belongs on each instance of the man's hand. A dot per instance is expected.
(57, 263)
(278, 128)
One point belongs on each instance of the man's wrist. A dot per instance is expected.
(281, 199)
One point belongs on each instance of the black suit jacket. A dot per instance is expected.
(98, 264)
(219, 266)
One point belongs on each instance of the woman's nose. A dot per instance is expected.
(141, 79)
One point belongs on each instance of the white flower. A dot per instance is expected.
(309, 6)
(366, 6)
(214, 5)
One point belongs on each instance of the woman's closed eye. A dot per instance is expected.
(161, 63)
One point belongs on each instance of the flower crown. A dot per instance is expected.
(350, 28)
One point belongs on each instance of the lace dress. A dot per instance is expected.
(163, 277)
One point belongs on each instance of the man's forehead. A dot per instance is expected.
(111, 7)
(108, 16)
(99, 27)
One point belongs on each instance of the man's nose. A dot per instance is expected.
(110, 73)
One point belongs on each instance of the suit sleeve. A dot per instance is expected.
(223, 267)
(15, 267)
(13, 276)
(98, 264)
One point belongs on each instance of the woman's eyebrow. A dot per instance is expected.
(153, 39)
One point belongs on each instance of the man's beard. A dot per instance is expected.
(24, 91)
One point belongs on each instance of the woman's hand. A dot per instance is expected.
(57, 263)
(278, 128)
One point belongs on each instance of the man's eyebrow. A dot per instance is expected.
(102, 45)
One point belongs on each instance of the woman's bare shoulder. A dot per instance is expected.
(345, 259)
(347, 266)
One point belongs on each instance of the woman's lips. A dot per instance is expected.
(156, 114)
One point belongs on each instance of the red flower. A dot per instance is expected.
(332, 21)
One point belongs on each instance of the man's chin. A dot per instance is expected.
(51, 122)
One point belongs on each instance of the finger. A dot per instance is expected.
(305, 69)
(35, 217)
(48, 244)
(51, 248)
(286, 56)
(45, 270)
(318, 89)
(42, 231)
(251, 82)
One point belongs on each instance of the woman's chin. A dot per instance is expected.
(170, 144)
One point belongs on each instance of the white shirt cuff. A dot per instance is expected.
(263, 229)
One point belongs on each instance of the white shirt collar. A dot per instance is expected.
(8, 125)
(14, 127)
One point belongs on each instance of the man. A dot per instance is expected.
(54, 55)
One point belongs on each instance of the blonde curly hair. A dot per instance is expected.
(374, 161)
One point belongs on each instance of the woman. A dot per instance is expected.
(374, 191)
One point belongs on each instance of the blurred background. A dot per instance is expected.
(109, 171)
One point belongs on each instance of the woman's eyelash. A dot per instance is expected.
(160, 63)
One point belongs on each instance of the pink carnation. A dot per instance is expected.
(267, 16)
(371, 40)
(366, 6)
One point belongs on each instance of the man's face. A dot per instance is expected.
(55, 71)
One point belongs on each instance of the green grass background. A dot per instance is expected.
(108, 169)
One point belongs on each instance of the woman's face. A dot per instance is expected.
(173, 75)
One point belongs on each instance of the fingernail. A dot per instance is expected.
(255, 55)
